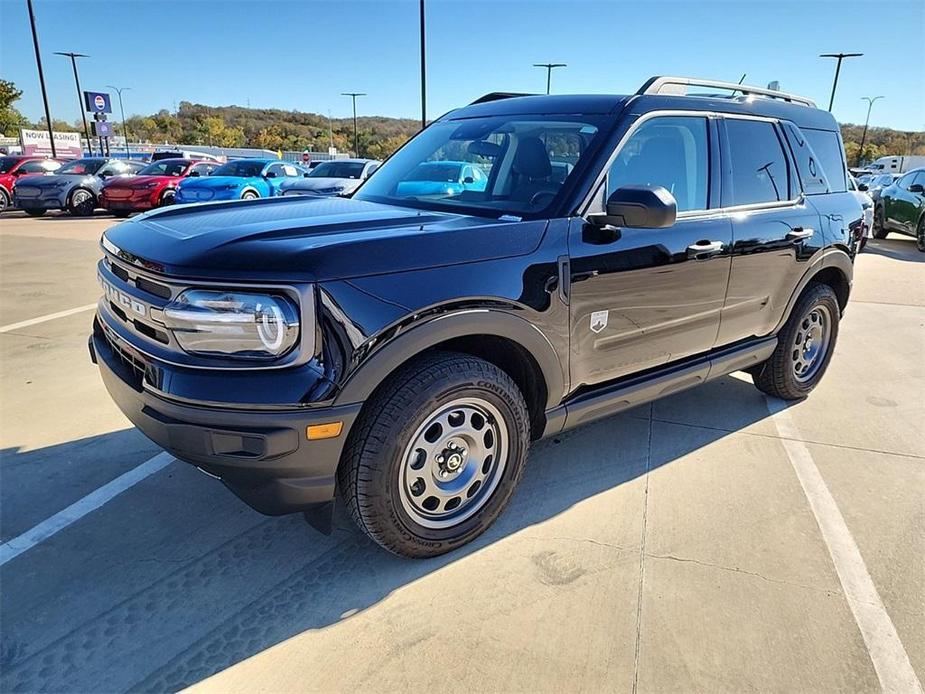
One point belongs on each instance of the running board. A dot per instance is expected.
(617, 397)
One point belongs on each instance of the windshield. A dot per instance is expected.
(165, 167)
(497, 165)
(338, 169)
(240, 169)
(82, 167)
(7, 163)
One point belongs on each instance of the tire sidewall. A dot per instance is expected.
(879, 231)
(4, 200)
(81, 211)
(404, 533)
(818, 295)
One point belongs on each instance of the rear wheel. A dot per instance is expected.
(804, 347)
(879, 230)
(436, 454)
(35, 211)
(81, 203)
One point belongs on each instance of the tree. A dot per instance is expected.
(11, 120)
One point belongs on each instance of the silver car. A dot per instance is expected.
(335, 177)
(74, 187)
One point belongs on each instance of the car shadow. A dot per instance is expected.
(896, 247)
(174, 580)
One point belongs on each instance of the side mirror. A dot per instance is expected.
(643, 207)
(917, 188)
(468, 179)
(306, 174)
(270, 174)
(862, 187)
(194, 174)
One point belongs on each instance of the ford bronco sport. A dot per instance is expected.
(402, 347)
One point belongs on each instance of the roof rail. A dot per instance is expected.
(668, 85)
(497, 96)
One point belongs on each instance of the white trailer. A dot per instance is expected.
(896, 164)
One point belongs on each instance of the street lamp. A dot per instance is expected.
(870, 105)
(83, 115)
(549, 68)
(356, 139)
(840, 57)
(119, 91)
(38, 63)
(423, 72)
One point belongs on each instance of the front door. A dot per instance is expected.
(640, 298)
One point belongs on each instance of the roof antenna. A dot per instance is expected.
(741, 80)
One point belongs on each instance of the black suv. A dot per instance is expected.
(404, 346)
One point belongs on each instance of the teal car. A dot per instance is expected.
(241, 179)
(901, 208)
(442, 178)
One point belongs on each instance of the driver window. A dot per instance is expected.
(276, 169)
(670, 151)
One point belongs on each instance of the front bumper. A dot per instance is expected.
(137, 202)
(51, 200)
(262, 455)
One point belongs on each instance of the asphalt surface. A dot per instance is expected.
(677, 547)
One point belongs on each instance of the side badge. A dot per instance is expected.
(599, 321)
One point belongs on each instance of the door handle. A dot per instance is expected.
(800, 233)
(704, 249)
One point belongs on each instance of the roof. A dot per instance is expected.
(584, 104)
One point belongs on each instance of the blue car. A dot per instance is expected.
(242, 179)
(442, 178)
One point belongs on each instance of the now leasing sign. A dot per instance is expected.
(37, 143)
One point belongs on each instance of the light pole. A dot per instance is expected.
(119, 91)
(840, 57)
(423, 73)
(83, 115)
(549, 68)
(870, 105)
(38, 62)
(356, 138)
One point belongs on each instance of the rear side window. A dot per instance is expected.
(668, 151)
(827, 147)
(760, 172)
(808, 165)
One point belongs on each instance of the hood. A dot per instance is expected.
(306, 238)
(138, 181)
(214, 181)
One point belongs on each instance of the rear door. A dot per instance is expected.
(774, 229)
(640, 298)
(903, 211)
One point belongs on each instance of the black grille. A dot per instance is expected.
(133, 362)
(160, 290)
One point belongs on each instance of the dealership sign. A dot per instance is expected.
(37, 143)
(97, 102)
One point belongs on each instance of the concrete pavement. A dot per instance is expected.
(670, 548)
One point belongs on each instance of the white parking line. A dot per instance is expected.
(42, 319)
(48, 527)
(891, 662)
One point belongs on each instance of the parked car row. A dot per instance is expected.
(122, 187)
(900, 207)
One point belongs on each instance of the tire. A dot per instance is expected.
(167, 198)
(81, 202)
(396, 462)
(4, 201)
(879, 229)
(249, 195)
(795, 368)
(34, 211)
(920, 235)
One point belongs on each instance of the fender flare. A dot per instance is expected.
(466, 323)
(830, 258)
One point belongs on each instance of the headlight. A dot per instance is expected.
(235, 324)
(145, 186)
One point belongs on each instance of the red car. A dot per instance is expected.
(153, 186)
(13, 167)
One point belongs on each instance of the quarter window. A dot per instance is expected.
(827, 145)
(808, 165)
(759, 168)
(670, 151)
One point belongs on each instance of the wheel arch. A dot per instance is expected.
(514, 345)
(833, 268)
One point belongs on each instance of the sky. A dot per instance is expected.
(300, 55)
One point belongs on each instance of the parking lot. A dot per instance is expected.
(704, 543)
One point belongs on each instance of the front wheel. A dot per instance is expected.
(4, 200)
(436, 454)
(249, 195)
(920, 235)
(879, 229)
(804, 346)
(81, 203)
